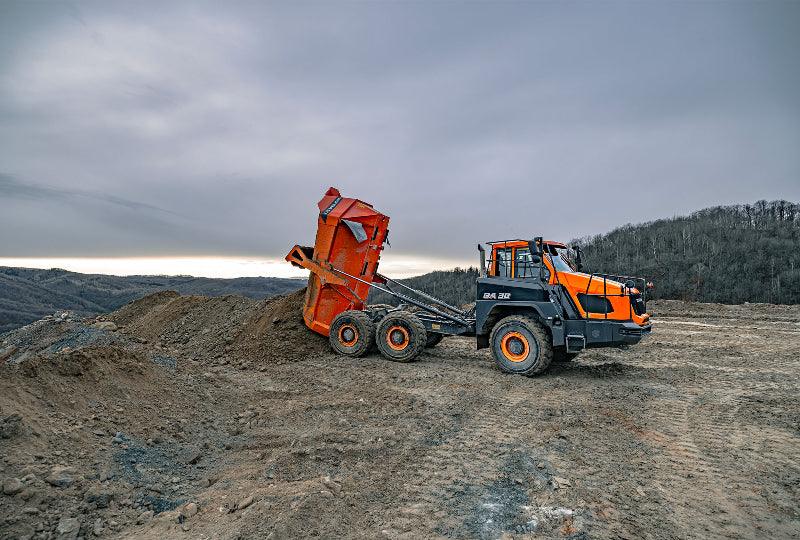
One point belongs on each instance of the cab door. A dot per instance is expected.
(503, 264)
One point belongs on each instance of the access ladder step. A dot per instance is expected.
(575, 343)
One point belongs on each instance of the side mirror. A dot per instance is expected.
(630, 284)
(535, 247)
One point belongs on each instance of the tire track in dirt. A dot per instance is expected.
(713, 463)
(468, 453)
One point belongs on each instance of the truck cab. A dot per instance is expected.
(592, 296)
(532, 298)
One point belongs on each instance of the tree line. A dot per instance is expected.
(728, 254)
(456, 287)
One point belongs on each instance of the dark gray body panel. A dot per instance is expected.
(498, 297)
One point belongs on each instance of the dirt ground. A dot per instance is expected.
(177, 421)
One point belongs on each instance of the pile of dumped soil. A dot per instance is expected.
(275, 331)
(166, 327)
(227, 329)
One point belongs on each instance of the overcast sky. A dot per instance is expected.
(170, 128)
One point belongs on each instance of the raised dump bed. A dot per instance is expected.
(350, 238)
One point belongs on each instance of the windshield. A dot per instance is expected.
(560, 259)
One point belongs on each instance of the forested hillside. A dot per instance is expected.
(456, 287)
(727, 254)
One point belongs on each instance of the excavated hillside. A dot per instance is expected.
(194, 417)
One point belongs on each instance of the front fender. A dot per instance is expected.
(487, 312)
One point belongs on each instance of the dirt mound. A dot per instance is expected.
(136, 309)
(120, 422)
(168, 327)
(227, 329)
(276, 331)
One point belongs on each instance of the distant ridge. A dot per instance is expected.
(28, 294)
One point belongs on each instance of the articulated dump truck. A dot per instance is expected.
(533, 306)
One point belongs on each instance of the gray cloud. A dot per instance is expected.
(463, 121)
(11, 187)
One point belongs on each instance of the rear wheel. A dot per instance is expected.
(401, 336)
(521, 345)
(433, 340)
(352, 333)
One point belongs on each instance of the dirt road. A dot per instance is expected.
(693, 434)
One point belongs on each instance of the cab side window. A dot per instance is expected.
(503, 262)
(523, 264)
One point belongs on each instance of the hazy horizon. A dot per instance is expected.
(219, 267)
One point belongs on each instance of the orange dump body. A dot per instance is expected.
(350, 237)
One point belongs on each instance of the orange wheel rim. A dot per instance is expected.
(514, 346)
(397, 337)
(348, 335)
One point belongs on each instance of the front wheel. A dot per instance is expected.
(521, 345)
(401, 336)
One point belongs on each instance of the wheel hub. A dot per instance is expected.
(348, 335)
(516, 346)
(398, 337)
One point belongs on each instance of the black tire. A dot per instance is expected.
(560, 354)
(401, 336)
(352, 333)
(521, 345)
(433, 340)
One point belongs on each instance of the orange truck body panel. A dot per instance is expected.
(350, 237)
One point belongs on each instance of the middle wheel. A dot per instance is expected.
(401, 336)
